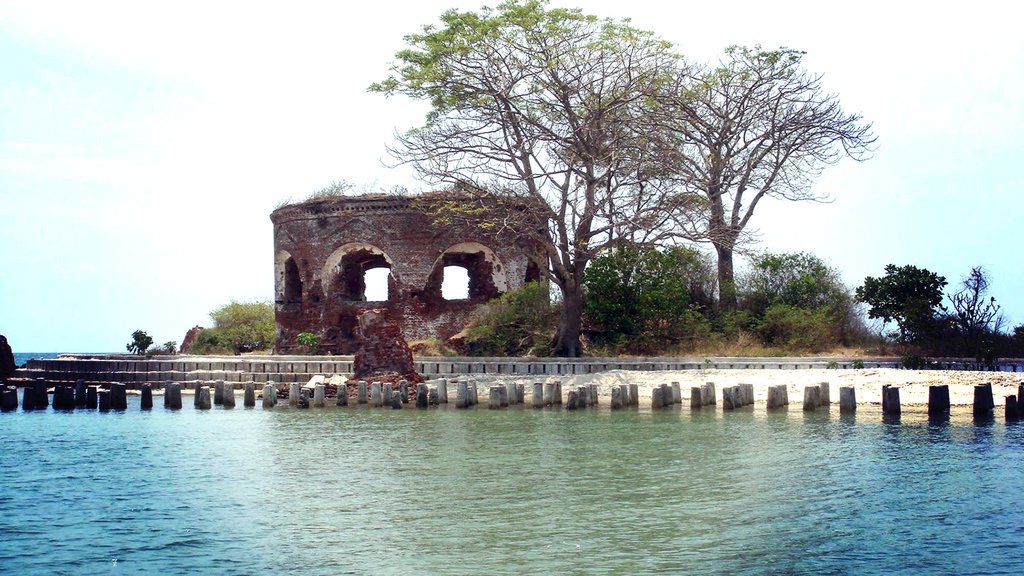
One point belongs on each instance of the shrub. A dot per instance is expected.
(519, 322)
(858, 364)
(797, 328)
(309, 341)
(237, 327)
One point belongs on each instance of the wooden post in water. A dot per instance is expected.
(146, 401)
(80, 393)
(270, 395)
(938, 401)
(249, 396)
(462, 395)
(202, 400)
(695, 398)
(984, 403)
(91, 398)
(847, 399)
(494, 399)
(1011, 412)
(218, 393)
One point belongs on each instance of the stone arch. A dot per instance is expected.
(487, 278)
(343, 272)
(288, 281)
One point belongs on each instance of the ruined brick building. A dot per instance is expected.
(324, 249)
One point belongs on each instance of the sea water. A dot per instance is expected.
(519, 491)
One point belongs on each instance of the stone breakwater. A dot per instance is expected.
(190, 370)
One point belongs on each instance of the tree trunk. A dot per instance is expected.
(567, 339)
(726, 278)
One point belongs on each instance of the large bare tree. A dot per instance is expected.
(755, 126)
(553, 110)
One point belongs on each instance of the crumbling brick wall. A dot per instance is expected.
(323, 248)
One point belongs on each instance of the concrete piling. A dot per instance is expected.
(677, 393)
(616, 402)
(146, 400)
(938, 401)
(172, 395)
(730, 398)
(303, 399)
(624, 395)
(984, 403)
(203, 400)
(826, 399)
(511, 394)
(432, 396)
(812, 398)
(847, 399)
(582, 397)
(520, 393)
(218, 393)
(41, 396)
(63, 398)
(695, 398)
(80, 393)
(319, 399)
(462, 395)
(711, 393)
(249, 395)
(442, 391)
(657, 398)
(342, 395)
(538, 395)
(403, 389)
(891, 400)
(1020, 401)
(294, 394)
(1011, 414)
(228, 399)
(361, 395)
(422, 396)
(573, 401)
(557, 398)
(118, 396)
(396, 400)
(494, 399)
(28, 398)
(549, 394)
(91, 397)
(376, 395)
(9, 399)
(269, 395)
(634, 395)
(474, 393)
(104, 400)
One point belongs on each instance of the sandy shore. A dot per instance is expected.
(868, 383)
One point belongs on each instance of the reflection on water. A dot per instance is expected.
(363, 491)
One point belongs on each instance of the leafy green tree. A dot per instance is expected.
(553, 110)
(755, 126)
(645, 299)
(140, 342)
(244, 326)
(908, 295)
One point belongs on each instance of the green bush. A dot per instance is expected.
(141, 341)
(518, 323)
(309, 341)
(643, 300)
(797, 328)
(237, 327)
(858, 364)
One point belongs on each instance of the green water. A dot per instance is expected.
(370, 491)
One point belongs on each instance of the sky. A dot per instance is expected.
(143, 145)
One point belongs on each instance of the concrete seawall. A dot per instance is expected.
(190, 370)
